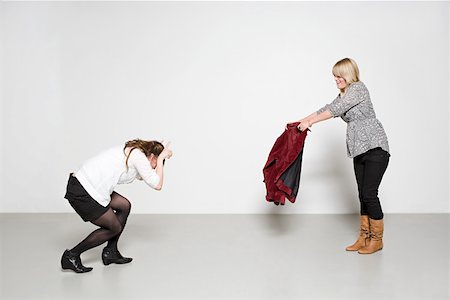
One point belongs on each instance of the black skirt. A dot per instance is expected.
(85, 206)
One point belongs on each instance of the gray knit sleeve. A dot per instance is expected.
(323, 109)
(329, 106)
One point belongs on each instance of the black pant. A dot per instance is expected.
(369, 170)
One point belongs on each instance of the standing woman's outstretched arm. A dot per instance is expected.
(314, 118)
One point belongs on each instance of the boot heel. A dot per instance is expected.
(106, 261)
(65, 265)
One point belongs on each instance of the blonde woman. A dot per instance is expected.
(90, 191)
(367, 144)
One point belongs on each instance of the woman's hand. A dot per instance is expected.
(304, 124)
(166, 153)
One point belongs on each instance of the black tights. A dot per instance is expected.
(111, 224)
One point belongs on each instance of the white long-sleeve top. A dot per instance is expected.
(102, 173)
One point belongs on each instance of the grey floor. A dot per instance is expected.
(228, 257)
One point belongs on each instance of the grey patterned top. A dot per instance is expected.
(364, 130)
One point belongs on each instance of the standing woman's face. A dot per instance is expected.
(153, 160)
(340, 82)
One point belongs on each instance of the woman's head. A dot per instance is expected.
(345, 72)
(151, 149)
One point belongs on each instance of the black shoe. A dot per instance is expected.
(73, 262)
(113, 256)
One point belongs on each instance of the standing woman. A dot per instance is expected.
(90, 192)
(367, 144)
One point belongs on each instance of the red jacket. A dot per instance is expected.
(283, 167)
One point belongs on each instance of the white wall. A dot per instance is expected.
(220, 80)
(2, 144)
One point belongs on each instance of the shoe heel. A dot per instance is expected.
(65, 265)
(106, 261)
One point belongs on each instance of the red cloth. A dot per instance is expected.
(284, 153)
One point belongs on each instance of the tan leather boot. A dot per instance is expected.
(364, 235)
(376, 237)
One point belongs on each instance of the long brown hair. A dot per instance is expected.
(147, 147)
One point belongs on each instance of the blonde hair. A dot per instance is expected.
(347, 69)
(147, 147)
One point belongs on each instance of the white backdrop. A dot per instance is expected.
(220, 80)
